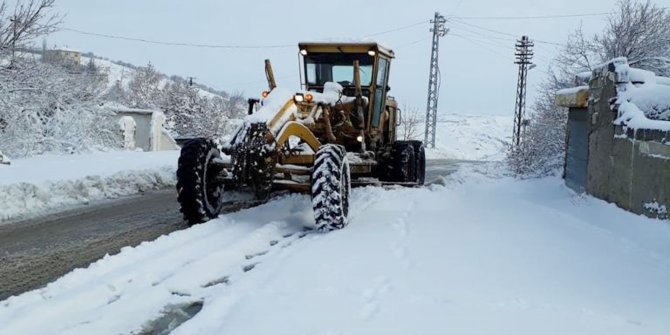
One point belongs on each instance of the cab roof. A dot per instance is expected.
(346, 47)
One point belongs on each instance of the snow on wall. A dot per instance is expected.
(642, 102)
(128, 127)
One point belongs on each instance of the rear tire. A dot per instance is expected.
(331, 188)
(198, 194)
(403, 163)
(420, 162)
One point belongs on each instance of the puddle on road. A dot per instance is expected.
(172, 317)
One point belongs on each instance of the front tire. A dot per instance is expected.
(198, 192)
(331, 188)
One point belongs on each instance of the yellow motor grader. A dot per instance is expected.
(338, 131)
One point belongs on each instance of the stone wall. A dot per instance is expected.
(630, 168)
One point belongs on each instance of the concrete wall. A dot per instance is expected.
(149, 132)
(627, 167)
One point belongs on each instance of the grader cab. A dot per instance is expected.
(338, 131)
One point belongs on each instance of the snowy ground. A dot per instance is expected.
(475, 256)
(474, 138)
(35, 185)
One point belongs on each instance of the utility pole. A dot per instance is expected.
(524, 55)
(438, 30)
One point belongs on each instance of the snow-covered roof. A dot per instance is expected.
(57, 48)
(347, 46)
(573, 97)
(119, 108)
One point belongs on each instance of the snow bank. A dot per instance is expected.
(34, 185)
(642, 103)
(476, 138)
(412, 261)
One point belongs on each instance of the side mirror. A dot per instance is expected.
(388, 88)
(398, 120)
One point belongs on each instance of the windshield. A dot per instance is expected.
(337, 67)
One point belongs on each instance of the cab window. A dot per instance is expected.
(380, 91)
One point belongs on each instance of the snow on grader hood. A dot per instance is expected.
(339, 131)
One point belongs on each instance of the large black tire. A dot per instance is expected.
(198, 193)
(420, 162)
(254, 162)
(331, 188)
(403, 163)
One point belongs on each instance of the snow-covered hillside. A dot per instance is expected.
(124, 74)
(477, 138)
(537, 260)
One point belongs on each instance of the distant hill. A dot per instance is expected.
(123, 72)
(477, 138)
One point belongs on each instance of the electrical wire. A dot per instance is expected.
(397, 29)
(181, 44)
(537, 17)
(481, 45)
(500, 32)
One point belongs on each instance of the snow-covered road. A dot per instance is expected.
(477, 256)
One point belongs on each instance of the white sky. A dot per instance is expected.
(477, 77)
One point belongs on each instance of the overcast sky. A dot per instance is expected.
(478, 73)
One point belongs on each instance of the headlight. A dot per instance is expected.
(299, 97)
(303, 52)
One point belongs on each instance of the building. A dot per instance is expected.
(143, 129)
(63, 56)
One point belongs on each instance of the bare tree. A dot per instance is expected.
(410, 123)
(144, 90)
(25, 21)
(639, 31)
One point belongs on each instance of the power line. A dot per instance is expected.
(482, 45)
(400, 46)
(529, 17)
(500, 32)
(488, 43)
(221, 46)
(489, 48)
(181, 44)
(537, 17)
(398, 29)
